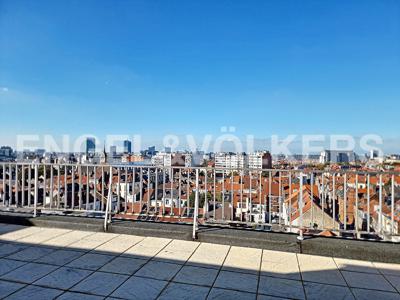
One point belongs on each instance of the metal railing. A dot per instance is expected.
(341, 203)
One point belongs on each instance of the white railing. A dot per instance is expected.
(343, 203)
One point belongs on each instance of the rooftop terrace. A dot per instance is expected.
(48, 263)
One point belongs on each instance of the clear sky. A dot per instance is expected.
(190, 67)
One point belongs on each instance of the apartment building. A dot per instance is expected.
(7, 153)
(162, 159)
(332, 156)
(229, 160)
(129, 158)
(260, 160)
(236, 161)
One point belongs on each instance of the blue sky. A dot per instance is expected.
(191, 67)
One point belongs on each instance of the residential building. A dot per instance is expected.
(373, 154)
(260, 160)
(162, 159)
(238, 161)
(333, 156)
(231, 161)
(308, 211)
(6, 153)
(40, 152)
(188, 160)
(131, 158)
(198, 158)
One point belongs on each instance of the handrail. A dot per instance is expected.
(227, 169)
(273, 198)
(108, 205)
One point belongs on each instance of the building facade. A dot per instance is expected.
(332, 156)
(90, 146)
(260, 160)
(127, 147)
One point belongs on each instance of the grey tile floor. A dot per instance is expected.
(41, 263)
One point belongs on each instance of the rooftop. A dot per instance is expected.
(48, 263)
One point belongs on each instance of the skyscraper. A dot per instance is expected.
(113, 151)
(127, 146)
(90, 145)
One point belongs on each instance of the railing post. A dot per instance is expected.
(300, 206)
(9, 185)
(16, 185)
(4, 185)
(380, 226)
(392, 208)
(36, 192)
(196, 206)
(108, 204)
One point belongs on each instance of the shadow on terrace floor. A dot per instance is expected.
(45, 263)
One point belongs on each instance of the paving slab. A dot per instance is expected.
(177, 252)
(140, 288)
(356, 265)
(8, 287)
(11, 248)
(237, 281)
(159, 270)
(118, 244)
(31, 253)
(320, 269)
(209, 256)
(5, 228)
(32, 292)
(362, 294)
(92, 241)
(29, 272)
(43, 235)
(222, 294)
(85, 244)
(267, 297)
(317, 291)
(79, 296)
(8, 265)
(394, 280)
(63, 278)
(184, 292)
(281, 287)
(280, 264)
(100, 283)
(19, 234)
(243, 259)
(123, 265)
(91, 261)
(67, 239)
(388, 269)
(60, 257)
(367, 281)
(147, 248)
(196, 275)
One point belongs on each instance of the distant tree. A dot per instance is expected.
(202, 198)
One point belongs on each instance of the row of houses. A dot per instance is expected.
(322, 202)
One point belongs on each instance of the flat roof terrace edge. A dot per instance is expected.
(286, 242)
